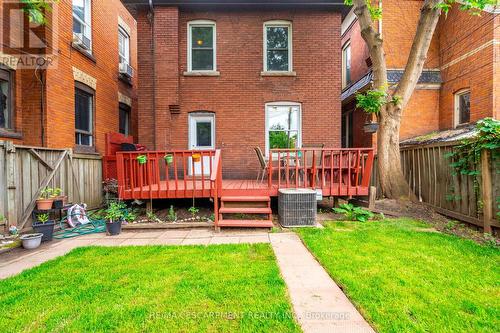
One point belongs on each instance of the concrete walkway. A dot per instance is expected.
(319, 304)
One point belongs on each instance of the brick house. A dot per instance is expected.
(87, 92)
(238, 76)
(460, 82)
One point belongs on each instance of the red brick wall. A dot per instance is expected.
(239, 94)
(359, 51)
(464, 34)
(59, 124)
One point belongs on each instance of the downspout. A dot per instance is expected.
(151, 16)
(380, 20)
(42, 106)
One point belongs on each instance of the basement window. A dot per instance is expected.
(201, 46)
(5, 99)
(277, 46)
(462, 107)
(84, 115)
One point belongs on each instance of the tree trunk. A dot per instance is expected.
(390, 174)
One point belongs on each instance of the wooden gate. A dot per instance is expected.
(25, 171)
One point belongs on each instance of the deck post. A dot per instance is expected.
(487, 195)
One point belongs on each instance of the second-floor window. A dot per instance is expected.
(82, 23)
(201, 46)
(278, 46)
(123, 46)
(462, 107)
(346, 65)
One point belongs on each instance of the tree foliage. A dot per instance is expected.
(37, 9)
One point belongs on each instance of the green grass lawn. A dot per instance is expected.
(404, 279)
(225, 288)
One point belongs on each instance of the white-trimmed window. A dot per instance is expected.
(346, 65)
(202, 53)
(84, 115)
(283, 125)
(278, 46)
(82, 22)
(6, 100)
(462, 107)
(123, 46)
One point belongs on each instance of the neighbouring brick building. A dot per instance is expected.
(238, 76)
(461, 79)
(87, 92)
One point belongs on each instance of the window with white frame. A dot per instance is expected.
(346, 65)
(201, 46)
(82, 23)
(278, 46)
(84, 115)
(123, 46)
(462, 107)
(6, 100)
(283, 125)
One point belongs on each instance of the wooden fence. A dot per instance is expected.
(466, 198)
(25, 171)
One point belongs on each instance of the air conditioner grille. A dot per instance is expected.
(297, 207)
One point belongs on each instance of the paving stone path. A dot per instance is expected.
(319, 304)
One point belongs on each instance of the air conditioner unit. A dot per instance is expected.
(297, 207)
(126, 69)
(82, 41)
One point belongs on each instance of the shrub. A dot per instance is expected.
(353, 213)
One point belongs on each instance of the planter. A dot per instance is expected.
(46, 229)
(44, 204)
(370, 127)
(60, 201)
(113, 228)
(169, 159)
(31, 241)
(196, 158)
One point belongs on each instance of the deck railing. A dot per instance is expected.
(165, 174)
(216, 183)
(338, 171)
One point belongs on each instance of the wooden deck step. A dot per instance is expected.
(247, 198)
(245, 210)
(246, 223)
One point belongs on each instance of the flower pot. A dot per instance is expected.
(370, 127)
(113, 228)
(169, 159)
(196, 158)
(31, 241)
(44, 204)
(46, 229)
(60, 201)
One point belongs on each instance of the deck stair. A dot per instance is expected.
(245, 211)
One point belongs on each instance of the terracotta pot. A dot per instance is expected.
(196, 158)
(44, 204)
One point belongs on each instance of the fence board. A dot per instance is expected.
(23, 169)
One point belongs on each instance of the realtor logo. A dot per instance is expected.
(25, 43)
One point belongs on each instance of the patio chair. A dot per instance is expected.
(264, 165)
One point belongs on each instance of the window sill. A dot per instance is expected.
(80, 149)
(10, 134)
(207, 73)
(87, 53)
(271, 73)
(125, 79)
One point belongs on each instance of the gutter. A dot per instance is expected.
(151, 16)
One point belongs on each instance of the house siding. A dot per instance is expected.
(238, 96)
(59, 120)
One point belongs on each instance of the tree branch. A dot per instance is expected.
(374, 42)
(429, 17)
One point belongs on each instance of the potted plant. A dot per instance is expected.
(196, 157)
(59, 199)
(169, 158)
(115, 214)
(31, 241)
(45, 201)
(44, 226)
(370, 126)
(142, 159)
